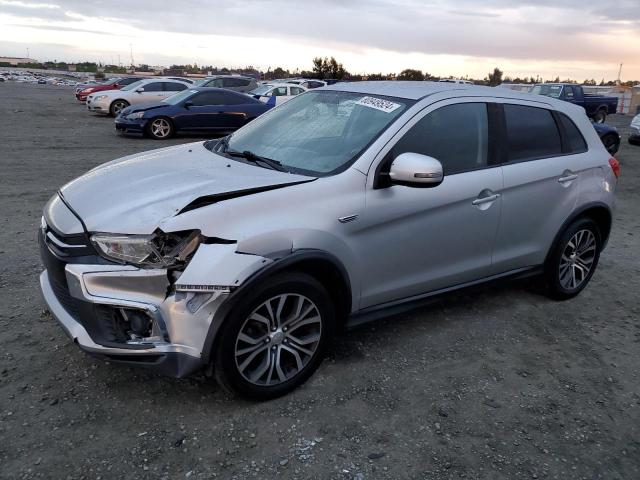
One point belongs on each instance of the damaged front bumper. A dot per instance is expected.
(144, 317)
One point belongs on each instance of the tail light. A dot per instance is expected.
(615, 166)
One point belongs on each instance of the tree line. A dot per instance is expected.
(322, 68)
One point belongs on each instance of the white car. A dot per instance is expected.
(455, 80)
(634, 134)
(276, 93)
(308, 83)
(111, 102)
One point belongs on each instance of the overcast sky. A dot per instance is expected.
(576, 38)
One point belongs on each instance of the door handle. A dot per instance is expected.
(487, 199)
(567, 176)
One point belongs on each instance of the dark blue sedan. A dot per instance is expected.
(201, 110)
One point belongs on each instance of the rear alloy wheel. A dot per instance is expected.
(574, 259)
(276, 339)
(117, 106)
(160, 128)
(612, 143)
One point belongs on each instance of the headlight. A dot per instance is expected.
(100, 97)
(88, 90)
(134, 116)
(159, 250)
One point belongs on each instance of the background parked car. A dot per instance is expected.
(308, 83)
(276, 93)
(609, 136)
(181, 79)
(111, 102)
(634, 135)
(113, 84)
(596, 106)
(196, 110)
(230, 82)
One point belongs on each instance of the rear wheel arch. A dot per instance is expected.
(598, 212)
(322, 266)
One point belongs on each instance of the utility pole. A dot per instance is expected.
(131, 49)
(619, 74)
(28, 52)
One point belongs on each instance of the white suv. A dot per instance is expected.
(346, 203)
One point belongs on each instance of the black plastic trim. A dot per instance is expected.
(281, 264)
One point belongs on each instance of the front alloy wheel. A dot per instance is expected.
(278, 339)
(160, 128)
(275, 337)
(117, 107)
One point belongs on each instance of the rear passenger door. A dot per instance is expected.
(543, 159)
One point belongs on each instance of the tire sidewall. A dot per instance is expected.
(292, 282)
(113, 104)
(553, 263)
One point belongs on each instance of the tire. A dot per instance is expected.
(117, 106)
(274, 371)
(573, 260)
(612, 143)
(600, 116)
(160, 128)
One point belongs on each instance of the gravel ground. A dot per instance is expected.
(494, 383)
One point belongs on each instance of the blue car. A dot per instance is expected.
(609, 136)
(202, 110)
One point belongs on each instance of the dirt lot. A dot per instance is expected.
(495, 383)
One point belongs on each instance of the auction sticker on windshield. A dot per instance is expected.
(378, 104)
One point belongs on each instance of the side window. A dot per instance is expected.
(457, 135)
(531, 133)
(208, 98)
(296, 90)
(174, 87)
(231, 99)
(574, 141)
(280, 91)
(568, 92)
(153, 87)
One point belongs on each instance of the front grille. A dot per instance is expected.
(100, 321)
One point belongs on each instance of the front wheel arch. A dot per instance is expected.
(321, 265)
(112, 104)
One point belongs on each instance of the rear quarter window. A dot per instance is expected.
(574, 141)
(531, 133)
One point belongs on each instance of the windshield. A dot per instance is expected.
(319, 133)
(553, 91)
(261, 90)
(133, 86)
(178, 97)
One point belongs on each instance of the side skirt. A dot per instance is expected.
(396, 307)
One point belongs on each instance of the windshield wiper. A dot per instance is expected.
(254, 158)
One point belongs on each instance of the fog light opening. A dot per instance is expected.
(142, 327)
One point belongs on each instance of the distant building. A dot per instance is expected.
(15, 61)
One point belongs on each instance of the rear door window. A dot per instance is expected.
(531, 133)
(174, 87)
(153, 87)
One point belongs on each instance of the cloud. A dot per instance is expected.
(518, 30)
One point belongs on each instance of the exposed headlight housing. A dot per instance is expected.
(159, 250)
(134, 116)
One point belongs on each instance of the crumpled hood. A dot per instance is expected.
(143, 107)
(135, 193)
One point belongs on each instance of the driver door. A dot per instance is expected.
(420, 240)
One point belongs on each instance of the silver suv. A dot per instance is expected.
(230, 82)
(243, 255)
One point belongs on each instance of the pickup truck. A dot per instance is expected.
(596, 106)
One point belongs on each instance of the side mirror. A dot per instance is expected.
(416, 170)
(188, 104)
(140, 89)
